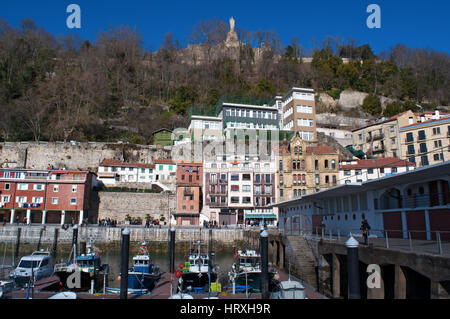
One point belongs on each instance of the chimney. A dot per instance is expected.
(422, 119)
(436, 115)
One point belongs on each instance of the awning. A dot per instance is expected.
(264, 216)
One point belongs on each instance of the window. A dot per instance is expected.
(21, 199)
(55, 200)
(246, 200)
(213, 178)
(258, 178)
(37, 200)
(235, 188)
(411, 149)
(347, 172)
(223, 178)
(317, 178)
(73, 201)
(316, 165)
(437, 144)
(423, 147)
(74, 188)
(326, 163)
(7, 186)
(267, 178)
(5, 198)
(333, 164)
(235, 200)
(281, 165)
(422, 135)
(436, 130)
(246, 188)
(334, 180)
(358, 172)
(436, 157)
(370, 171)
(425, 160)
(409, 137)
(246, 177)
(161, 167)
(235, 177)
(183, 177)
(23, 187)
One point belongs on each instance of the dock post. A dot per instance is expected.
(172, 250)
(353, 268)
(264, 239)
(75, 240)
(16, 252)
(55, 243)
(124, 264)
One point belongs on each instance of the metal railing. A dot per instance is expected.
(436, 242)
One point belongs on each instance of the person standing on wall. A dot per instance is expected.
(365, 227)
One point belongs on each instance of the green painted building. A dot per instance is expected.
(162, 137)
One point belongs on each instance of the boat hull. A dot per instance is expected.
(139, 280)
(195, 282)
(252, 280)
(85, 280)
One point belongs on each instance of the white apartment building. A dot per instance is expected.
(369, 169)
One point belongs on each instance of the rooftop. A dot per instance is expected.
(118, 163)
(377, 162)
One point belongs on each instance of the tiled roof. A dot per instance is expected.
(323, 149)
(164, 161)
(113, 162)
(426, 122)
(377, 162)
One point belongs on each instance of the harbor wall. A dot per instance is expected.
(109, 235)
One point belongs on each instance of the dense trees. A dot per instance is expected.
(66, 88)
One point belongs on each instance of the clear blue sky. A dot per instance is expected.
(418, 24)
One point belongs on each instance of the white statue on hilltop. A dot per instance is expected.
(232, 23)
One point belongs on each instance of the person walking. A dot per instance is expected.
(365, 227)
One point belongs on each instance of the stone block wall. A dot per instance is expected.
(119, 204)
(83, 156)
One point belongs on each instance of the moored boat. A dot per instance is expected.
(144, 274)
(197, 273)
(33, 267)
(245, 273)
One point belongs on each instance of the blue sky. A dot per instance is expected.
(418, 24)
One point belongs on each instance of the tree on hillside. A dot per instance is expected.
(393, 108)
(372, 105)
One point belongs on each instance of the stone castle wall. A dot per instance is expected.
(84, 156)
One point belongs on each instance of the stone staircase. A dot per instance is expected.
(301, 259)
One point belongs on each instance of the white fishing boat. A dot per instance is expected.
(64, 295)
(34, 267)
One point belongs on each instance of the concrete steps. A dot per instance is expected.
(303, 261)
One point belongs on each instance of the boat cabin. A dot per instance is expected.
(249, 259)
(88, 262)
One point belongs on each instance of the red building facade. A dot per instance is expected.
(189, 193)
(45, 196)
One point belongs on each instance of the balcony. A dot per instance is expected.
(377, 137)
(216, 204)
(378, 150)
(219, 193)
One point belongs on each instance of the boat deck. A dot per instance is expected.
(162, 291)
